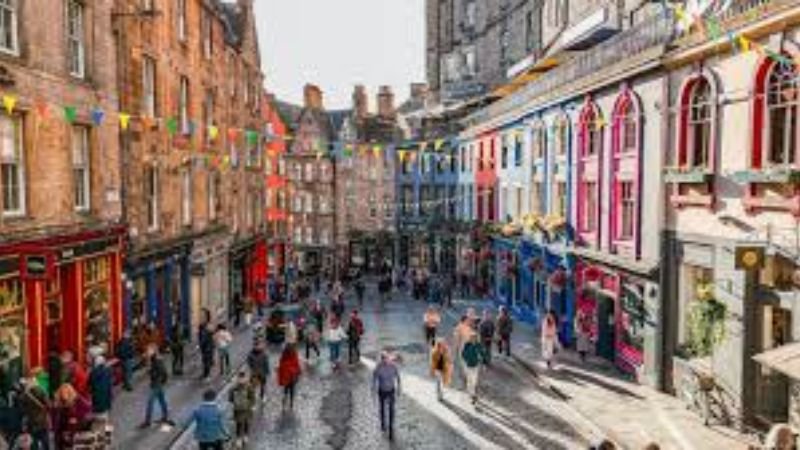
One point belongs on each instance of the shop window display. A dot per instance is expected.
(12, 329)
(96, 303)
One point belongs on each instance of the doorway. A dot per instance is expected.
(606, 328)
(772, 387)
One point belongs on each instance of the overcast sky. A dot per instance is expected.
(338, 43)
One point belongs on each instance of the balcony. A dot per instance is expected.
(687, 175)
(782, 175)
(594, 28)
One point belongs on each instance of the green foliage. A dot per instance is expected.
(706, 326)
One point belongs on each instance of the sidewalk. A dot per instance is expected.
(183, 395)
(631, 414)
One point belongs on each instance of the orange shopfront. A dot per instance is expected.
(58, 293)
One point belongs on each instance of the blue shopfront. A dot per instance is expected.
(158, 293)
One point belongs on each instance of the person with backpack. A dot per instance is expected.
(473, 355)
(158, 380)
(431, 321)
(486, 330)
(258, 362)
(441, 366)
(209, 432)
(243, 401)
(355, 329)
(505, 326)
(288, 374)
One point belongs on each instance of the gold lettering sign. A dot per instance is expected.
(11, 298)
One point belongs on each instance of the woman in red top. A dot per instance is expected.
(288, 374)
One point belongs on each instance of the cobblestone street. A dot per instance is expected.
(337, 410)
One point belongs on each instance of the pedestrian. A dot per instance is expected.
(473, 355)
(355, 329)
(75, 374)
(243, 400)
(386, 384)
(441, 366)
(101, 387)
(360, 288)
(584, 326)
(209, 432)
(335, 337)
(206, 343)
(248, 308)
(35, 407)
(158, 380)
(176, 347)
(288, 374)
(461, 334)
(290, 333)
(311, 337)
(486, 331)
(258, 362)
(222, 340)
(238, 309)
(431, 321)
(337, 307)
(70, 415)
(318, 316)
(549, 338)
(505, 326)
(125, 355)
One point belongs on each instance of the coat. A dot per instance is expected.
(209, 423)
(289, 369)
(35, 408)
(258, 362)
(447, 371)
(243, 410)
(101, 386)
(473, 354)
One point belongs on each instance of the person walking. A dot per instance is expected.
(386, 384)
(335, 337)
(549, 338)
(290, 333)
(441, 366)
(360, 288)
(222, 340)
(158, 380)
(101, 387)
(288, 374)
(206, 343)
(238, 309)
(583, 327)
(461, 334)
(176, 347)
(505, 326)
(243, 400)
(35, 407)
(209, 432)
(70, 415)
(337, 307)
(317, 314)
(355, 329)
(431, 321)
(473, 355)
(258, 362)
(486, 330)
(125, 355)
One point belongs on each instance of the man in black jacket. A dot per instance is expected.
(126, 355)
(158, 380)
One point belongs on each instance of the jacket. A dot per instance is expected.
(243, 398)
(440, 361)
(288, 370)
(336, 335)
(209, 423)
(101, 385)
(473, 354)
(258, 362)
(35, 405)
(125, 349)
(158, 372)
(354, 329)
(486, 329)
(505, 325)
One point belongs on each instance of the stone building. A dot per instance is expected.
(365, 187)
(61, 238)
(310, 169)
(277, 203)
(189, 76)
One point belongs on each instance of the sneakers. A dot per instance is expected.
(168, 421)
(144, 425)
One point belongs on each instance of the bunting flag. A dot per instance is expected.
(43, 109)
(376, 151)
(233, 134)
(172, 126)
(9, 102)
(70, 114)
(402, 155)
(744, 44)
(124, 120)
(437, 145)
(97, 116)
(252, 137)
(213, 132)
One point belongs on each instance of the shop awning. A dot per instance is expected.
(784, 359)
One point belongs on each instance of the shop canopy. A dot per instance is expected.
(784, 359)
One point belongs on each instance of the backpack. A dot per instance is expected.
(241, 399)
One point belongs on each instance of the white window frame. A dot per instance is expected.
(149, 86)
(183, 103)
(181, 25)
(152, 192)
(15, 163)
(213, 196)
(206, 31)
(81, 167)
(186, 197)
(9, 10)
(76, 38)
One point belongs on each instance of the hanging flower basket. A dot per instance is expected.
(705, 291)
(536, 265)
(558, 280)
(592, 274)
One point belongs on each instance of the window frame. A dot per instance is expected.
(152, 193)
(82, 184)
(590, 157)
(180, 27)
(184, 91)
(12, 7)
(149, 83)
(77, 60)
(626, 171)
(17, 127)
(187, 197)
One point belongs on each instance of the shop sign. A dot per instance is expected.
(37, 267)
(750, 258)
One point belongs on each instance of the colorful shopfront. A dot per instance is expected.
(622, 306)
(158, 283)
(56, 294)
(248, 272)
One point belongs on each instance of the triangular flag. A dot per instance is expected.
(401, 154)
(9, 102)
(438, 144)
(252, 137)
(97, 116)
(172, 125)
(376, 151)
(124, 120)
(233, 133)
(70, 114)
(213, 132)
(42, 109)
(744, 43)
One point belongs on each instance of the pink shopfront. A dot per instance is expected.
(621, 316)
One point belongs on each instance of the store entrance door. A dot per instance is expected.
(772, 387)
(606, 329)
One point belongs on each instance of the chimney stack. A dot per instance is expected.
(386, 103)
(360, 102)
(312, 96)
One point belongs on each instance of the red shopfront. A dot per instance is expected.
(59, 293)
(615, 301)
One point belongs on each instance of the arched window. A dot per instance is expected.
(697, 124)
(538, 167)
(589, 171)
(625, 170)
(782, 115)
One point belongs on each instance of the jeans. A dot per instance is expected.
(41, 439)
(208, 361)
(487, 345)
(504, 343)
(224, 361)
(354, 351)
(156, 395)
(472, 380)
(386, 402)
(335, 349)
(288, 394)
(177, 361)
(127, 373)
